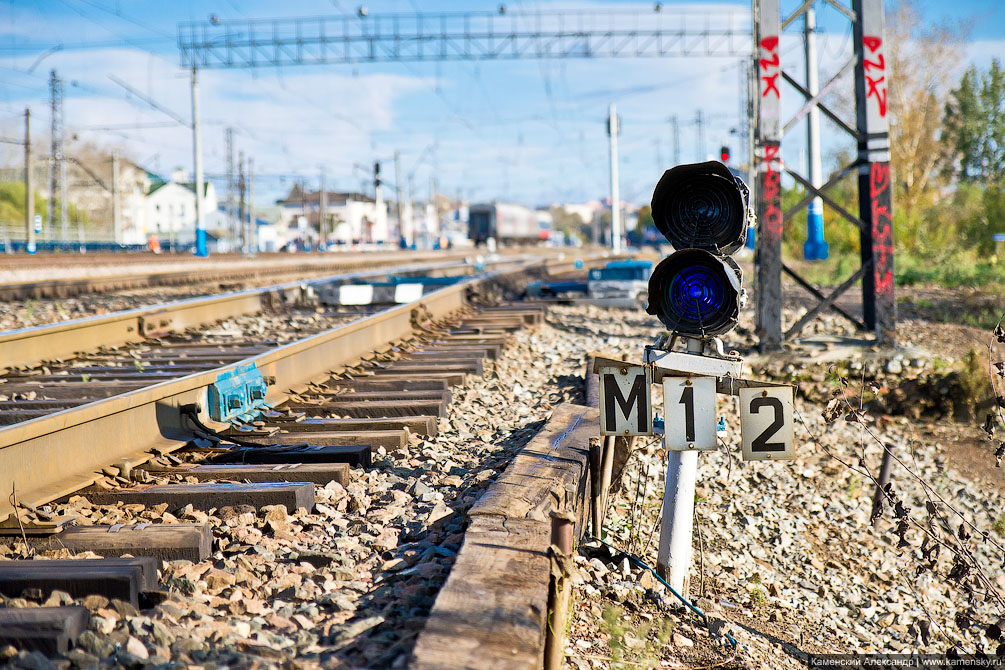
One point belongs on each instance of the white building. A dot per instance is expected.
(352, 218)
(171, 208)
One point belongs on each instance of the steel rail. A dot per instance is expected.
(29, 346)
(49, 457)
(63, 288)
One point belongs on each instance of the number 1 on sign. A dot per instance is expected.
(689, 405)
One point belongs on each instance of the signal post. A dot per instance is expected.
(696, 293)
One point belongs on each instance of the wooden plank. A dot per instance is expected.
(375, 384)
(374, 409)
(317, 473)
(451, 378)
(418, 425)
(316, 435)
(208, 496)
(49, 630)
(492, 611)
(472, 366)
(354, 395)
(163, 541)
(122, 578)
(353, 454)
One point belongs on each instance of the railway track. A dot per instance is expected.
(133, 433)
(273, 268)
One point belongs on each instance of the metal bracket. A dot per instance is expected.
(238, 394)
(10, 526)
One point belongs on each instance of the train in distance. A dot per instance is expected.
(508, 223)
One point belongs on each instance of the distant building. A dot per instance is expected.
(352, 218)
(171, 208)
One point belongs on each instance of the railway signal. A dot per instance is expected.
(696, 293)
(702, 210)
(724, 154)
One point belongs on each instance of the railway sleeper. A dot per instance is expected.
(163, 541)
(48, 630)
(123, 579)
(291, 495)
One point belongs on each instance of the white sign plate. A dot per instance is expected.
(625, 400)
(766, 423)
(689, 404)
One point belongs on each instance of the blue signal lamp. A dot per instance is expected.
(696, 293)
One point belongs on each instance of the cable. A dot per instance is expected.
(642, 564)
(192, 412)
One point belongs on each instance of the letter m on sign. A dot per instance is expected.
(625, 403)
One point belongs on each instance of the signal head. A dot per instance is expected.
(695, 293)
(701, 206)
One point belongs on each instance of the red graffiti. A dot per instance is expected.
(882, 228)
(770, 66)
(771, 189)
(877, 92)
(879, 177)
(876, 84)
(771, 85)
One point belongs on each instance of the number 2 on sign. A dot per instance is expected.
(766, 423)
(689, 405)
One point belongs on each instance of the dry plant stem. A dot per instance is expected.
(926, 486)
(608, 659)
(24, 537)
(961, 552)
(991, 371)
(701, 556)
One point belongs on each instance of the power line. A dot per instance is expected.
(150, 101)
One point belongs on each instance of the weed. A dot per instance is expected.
(616, 634)
(758, 597)
(29, 310)
(854, 487)
(999, 525)
(754, 578)
(974, 379)
(85, 378)
(664, 632)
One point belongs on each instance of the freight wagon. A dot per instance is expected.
(508, 223)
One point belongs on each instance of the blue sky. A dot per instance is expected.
(528, 130)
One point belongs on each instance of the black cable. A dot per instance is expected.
(192, 412)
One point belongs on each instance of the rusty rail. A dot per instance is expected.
(54, 455)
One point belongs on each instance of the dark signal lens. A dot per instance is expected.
(701, 206)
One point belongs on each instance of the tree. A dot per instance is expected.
(975, 124)
(645, 218)
(569, 223)
(923, 61)
(975, 128)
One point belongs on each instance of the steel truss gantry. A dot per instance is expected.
(871, 132)
(464, 36)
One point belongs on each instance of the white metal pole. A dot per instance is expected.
(673, 561)
(378, 204)
(200, 232)
(116, 210)
(402, 237)
(29, 189)
(815, 247)
(323, 212)
(613, 128)
(251, 206)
